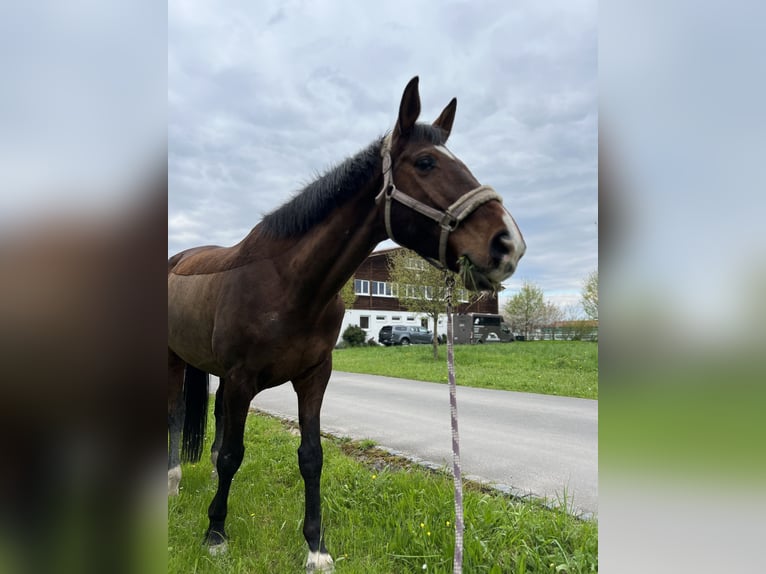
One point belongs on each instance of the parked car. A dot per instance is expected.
(404, 335)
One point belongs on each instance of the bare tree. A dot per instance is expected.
(553, 316)
(589, 295)
(526, 309)
(420, 286)
(578, 327)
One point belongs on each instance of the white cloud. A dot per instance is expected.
(261, 98)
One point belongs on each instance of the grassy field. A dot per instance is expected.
(379, 517)
(702, 420)
(566, 368)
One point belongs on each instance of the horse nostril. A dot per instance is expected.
(501, 246)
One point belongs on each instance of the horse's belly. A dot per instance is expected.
(191, 312)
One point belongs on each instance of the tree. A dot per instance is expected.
(348, 295)
(553, 316)
(420, 286)
(589, 295)
(526, 310)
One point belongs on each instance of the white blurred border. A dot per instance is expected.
(683, 269)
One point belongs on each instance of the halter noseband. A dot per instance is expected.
(448, 220)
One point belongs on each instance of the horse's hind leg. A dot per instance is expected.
(310, 391)
(236, 402)
(176, 412)
(218, 440)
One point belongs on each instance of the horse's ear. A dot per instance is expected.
(409, 109)
(447, 117)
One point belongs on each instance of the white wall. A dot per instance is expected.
(380, 318)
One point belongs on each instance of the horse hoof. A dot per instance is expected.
(218, 549)
(319, 562)
(216, 543)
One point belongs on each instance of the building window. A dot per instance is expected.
(411, 292)
(396, 318)
(364, 322)
(415, 263)
(410, 318)
(361, 287)
(380, 317)
(382, 289)
(490, 321)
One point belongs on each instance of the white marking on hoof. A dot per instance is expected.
(218, 549)
(319, 562)
(174, 479)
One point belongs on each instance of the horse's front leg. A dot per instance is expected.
(310, 391)
(218, 440)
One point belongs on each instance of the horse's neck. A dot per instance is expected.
(327, 256)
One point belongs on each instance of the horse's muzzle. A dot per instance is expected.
(506, 248)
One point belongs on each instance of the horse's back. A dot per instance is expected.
(224, 299)
(200, 260)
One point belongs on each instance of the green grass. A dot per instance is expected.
(702, 420)
(378, 517)
(565, 368)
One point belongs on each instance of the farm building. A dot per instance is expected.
(377, 305)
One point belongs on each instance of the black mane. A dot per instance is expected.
(314, 203)
(317, 200)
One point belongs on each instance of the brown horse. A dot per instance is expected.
(233, 311)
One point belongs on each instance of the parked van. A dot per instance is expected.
(404, 335)
(480, 328)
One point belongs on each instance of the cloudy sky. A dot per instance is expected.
(264, 95)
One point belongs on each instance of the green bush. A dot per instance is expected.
(354, 336)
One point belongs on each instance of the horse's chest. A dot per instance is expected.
(289, 350)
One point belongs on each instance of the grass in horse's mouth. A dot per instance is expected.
(466, 267)
(468, 273)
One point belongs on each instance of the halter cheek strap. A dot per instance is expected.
(448, 220)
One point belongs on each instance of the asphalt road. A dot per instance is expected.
(531, 445)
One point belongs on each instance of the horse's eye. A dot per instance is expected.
(425, 163)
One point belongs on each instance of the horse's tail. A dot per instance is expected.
(195, 420)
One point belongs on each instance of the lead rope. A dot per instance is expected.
(457, 565)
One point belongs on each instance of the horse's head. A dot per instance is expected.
(433, 204)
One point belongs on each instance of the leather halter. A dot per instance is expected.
(448, 219)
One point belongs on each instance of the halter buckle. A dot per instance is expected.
(449, 222)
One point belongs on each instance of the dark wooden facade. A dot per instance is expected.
(375, 268)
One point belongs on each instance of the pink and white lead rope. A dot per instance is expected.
(457, 564)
